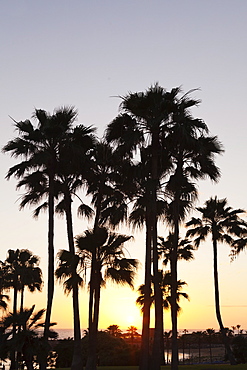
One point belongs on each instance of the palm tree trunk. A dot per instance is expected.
(50, 288)
(144, 356)
(13, 353)
(77, 362)
(174, 259)
(22, 299)
(92, 325)
(174, 279)
(157, 355)
(163, 361)
(92, 359)
(217, 306)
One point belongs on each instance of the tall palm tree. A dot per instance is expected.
(193, 156)
(142, 122)
(38, 147)
(110, 264)
(224, 225)
(178, 150)
(74, 165)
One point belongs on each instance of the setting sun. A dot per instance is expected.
(130, 320)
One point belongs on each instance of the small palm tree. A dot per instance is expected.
(132, 331)
(4, 298)
(26, 341)
(114, 330)
(110, 264)
(210, 333)
(167, 337)
(224, 225)
(22, 271)
(199, 336)
(184, 250)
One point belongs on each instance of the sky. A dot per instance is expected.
(87, 54)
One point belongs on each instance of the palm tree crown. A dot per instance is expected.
(218, 220)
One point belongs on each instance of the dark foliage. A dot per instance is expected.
(239, 348)
(64, 350)
(111, 351)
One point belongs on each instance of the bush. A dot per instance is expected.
(239, 348)
(64, 350)
(111, 351)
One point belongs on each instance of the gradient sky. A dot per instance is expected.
(86, 53)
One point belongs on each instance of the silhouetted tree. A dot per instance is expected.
(224, 225)
(38, 147)
(110, 264)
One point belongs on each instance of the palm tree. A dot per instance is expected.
(184, 251)
(161, 123)
(110, 264)
(210, 332)
(199, 335)
(114, 330)
(31, 274)
(166, 247)
(38, 147)
(132, 331)
(21, 270)
(141, 215)
(167, 337)
(224, 225)
(142, 122)
(68, 272)
(4, 298)
(27, 340)
(165, 285)
(192, 154)
(105, 184)
(73, 167)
